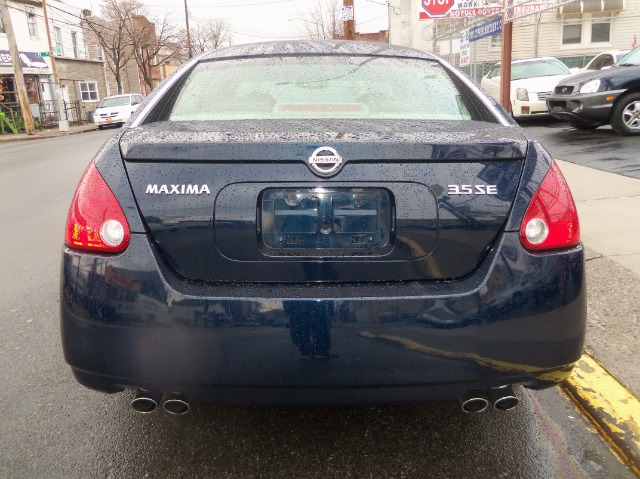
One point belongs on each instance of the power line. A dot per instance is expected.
(372, 19)
(229, 6)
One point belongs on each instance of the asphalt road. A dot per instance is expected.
(601, 148)
(53, 428)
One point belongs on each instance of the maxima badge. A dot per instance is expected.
(325, 161)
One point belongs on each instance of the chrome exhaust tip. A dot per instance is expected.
(503, 398)
(474, 402)
(177, 404)
(145, 402)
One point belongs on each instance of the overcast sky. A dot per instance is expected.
(259, 20)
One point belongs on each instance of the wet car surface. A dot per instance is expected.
(298, 237)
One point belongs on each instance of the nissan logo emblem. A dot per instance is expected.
(325, 161)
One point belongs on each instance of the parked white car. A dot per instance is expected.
(532, 80)
(604, 60)
(115, 110)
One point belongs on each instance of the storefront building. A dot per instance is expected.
(37, 78)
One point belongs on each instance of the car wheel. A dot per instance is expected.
(100, 127)
(583, 126)
(625, 117)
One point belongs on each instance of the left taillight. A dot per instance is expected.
(96, 221)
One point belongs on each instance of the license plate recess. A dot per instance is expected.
(326, 221)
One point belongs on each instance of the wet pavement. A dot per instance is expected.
(53, 428)
(601, 148)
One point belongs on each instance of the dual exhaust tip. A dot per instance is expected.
(148, 401)
(502, 399)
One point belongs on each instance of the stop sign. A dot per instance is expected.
(437, 8)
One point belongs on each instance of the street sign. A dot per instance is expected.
(347, 14)
(465, 57)
(437, 8)
(42, 54)
(489, 29)
(458, 8)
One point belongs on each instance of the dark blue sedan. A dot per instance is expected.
(319, 223)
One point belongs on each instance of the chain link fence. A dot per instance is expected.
(572, 38)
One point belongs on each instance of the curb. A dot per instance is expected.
(613, 410)
(45, 137)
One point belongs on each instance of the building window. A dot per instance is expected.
(572, 29)
(495, 43)
(100, 53)
(89, 90)
(585, 29)
(74, 43)
(601, 27)
(57, 38)
(31, 22)
(1, 24)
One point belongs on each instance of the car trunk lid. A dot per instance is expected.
(410, 200)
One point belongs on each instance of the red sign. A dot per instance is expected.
(437, 8)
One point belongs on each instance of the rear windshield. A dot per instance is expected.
(117, 101)
(311, 87)
(630, 59)
(520, 71)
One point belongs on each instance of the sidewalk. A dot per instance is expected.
(609, 210)
(48, 133)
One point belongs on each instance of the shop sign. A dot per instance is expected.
(27, 60)
(436, 9)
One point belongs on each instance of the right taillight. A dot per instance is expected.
(551, 221)
(96, 221)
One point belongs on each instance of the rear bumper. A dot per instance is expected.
(127, 322)
(528, 109)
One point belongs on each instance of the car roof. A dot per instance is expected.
(316, 47)
(531, 60)
(612, 52)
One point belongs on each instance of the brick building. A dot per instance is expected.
(81, 76)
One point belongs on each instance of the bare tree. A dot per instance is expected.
(210, 35)
(154, 43)
(112, 32)
(324, 22)
(206, 35)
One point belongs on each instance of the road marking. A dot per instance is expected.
(610, 406)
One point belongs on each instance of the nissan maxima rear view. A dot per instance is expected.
(321, 223)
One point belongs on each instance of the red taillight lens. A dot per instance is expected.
(551, 221)
(96, 221)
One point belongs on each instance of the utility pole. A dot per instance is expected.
(505, 57)
(21, 89)
(186, 16)
(63, 124)
(348, 16)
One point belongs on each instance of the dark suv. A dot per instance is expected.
(610, 96)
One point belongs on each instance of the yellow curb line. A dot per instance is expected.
(610, 406)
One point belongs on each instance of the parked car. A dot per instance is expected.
(417, 243)
(604, 97)
(115, 110)
(531, 81)
(604, 60)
